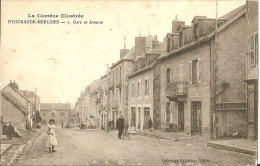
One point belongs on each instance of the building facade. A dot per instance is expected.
(252, 68)
(15, 107)
(59, 112)
(141, 92)
(202, 88)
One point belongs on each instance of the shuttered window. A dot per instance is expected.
(195, 74)
(252, 51)
(181, 71)
(168, 75)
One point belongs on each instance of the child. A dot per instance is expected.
(51, 140)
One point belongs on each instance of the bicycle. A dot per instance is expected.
(126, 134)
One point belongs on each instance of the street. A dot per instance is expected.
(101, 148)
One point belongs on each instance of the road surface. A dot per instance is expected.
(101, 148)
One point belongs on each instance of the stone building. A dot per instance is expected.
(15, 107)
(34, 100)
(252, 67)
(202, 88)
(57, 111)
(103, 99)
(118, 85)
(140, 96)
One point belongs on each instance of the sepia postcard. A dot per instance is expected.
(122, 82)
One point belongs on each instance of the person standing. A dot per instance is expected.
(150, 124)
(120, 126)
(108, 126)
(51, 140)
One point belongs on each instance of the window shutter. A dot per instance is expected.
(199, 71)
(181, 72)
(165, 114)
(190, 74)
(252, 50)
(171, 111)
(171, 74)
(256, 48)
(147, 86)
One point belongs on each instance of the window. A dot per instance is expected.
(62, 114)
(181, 71)
(168, 44)
(52, 114)
(44, 114)
(133, 90)
(253, 52)
(146, 89)
(195, 71)
(181, 39)
(195, 29)
(168, 75)
(120, 73)
(168, 112)
(138, 89)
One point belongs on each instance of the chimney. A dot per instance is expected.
(140, 45)
(176, 24)
(155, 42)
(14, 85)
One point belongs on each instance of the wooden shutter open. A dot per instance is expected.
(199, 71)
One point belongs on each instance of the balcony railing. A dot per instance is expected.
(98, 100)
(176, 89)
(230, 106)
(114, 104)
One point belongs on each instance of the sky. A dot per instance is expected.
(60, 60)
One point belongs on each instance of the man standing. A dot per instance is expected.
(120, 126)
(150, 124)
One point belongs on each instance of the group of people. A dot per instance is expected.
(9, 130)
(120, 125)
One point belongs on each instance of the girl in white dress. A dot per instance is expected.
(51, 139)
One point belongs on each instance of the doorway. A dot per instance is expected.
(146, 117)
(133, 117)
(196, 118)
(180, 116)
(139, 118)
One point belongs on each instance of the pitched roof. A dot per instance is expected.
(15, 102)
(158, 50)
(234, 12)
(55, 106)
(130, 55)
(230, 18)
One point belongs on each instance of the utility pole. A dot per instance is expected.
(213, 112)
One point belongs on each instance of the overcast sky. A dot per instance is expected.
(61, 60)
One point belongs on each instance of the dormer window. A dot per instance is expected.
(195, 29)
(168, 44)
(181, 39)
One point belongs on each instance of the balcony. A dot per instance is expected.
(118, 83)
(110, 84)
(98, 100)
(99, 108)
(230, 106)
(176, 90)
(114, 105)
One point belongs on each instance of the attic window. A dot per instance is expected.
(253, 52)
(168, 44)
(195, 29)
